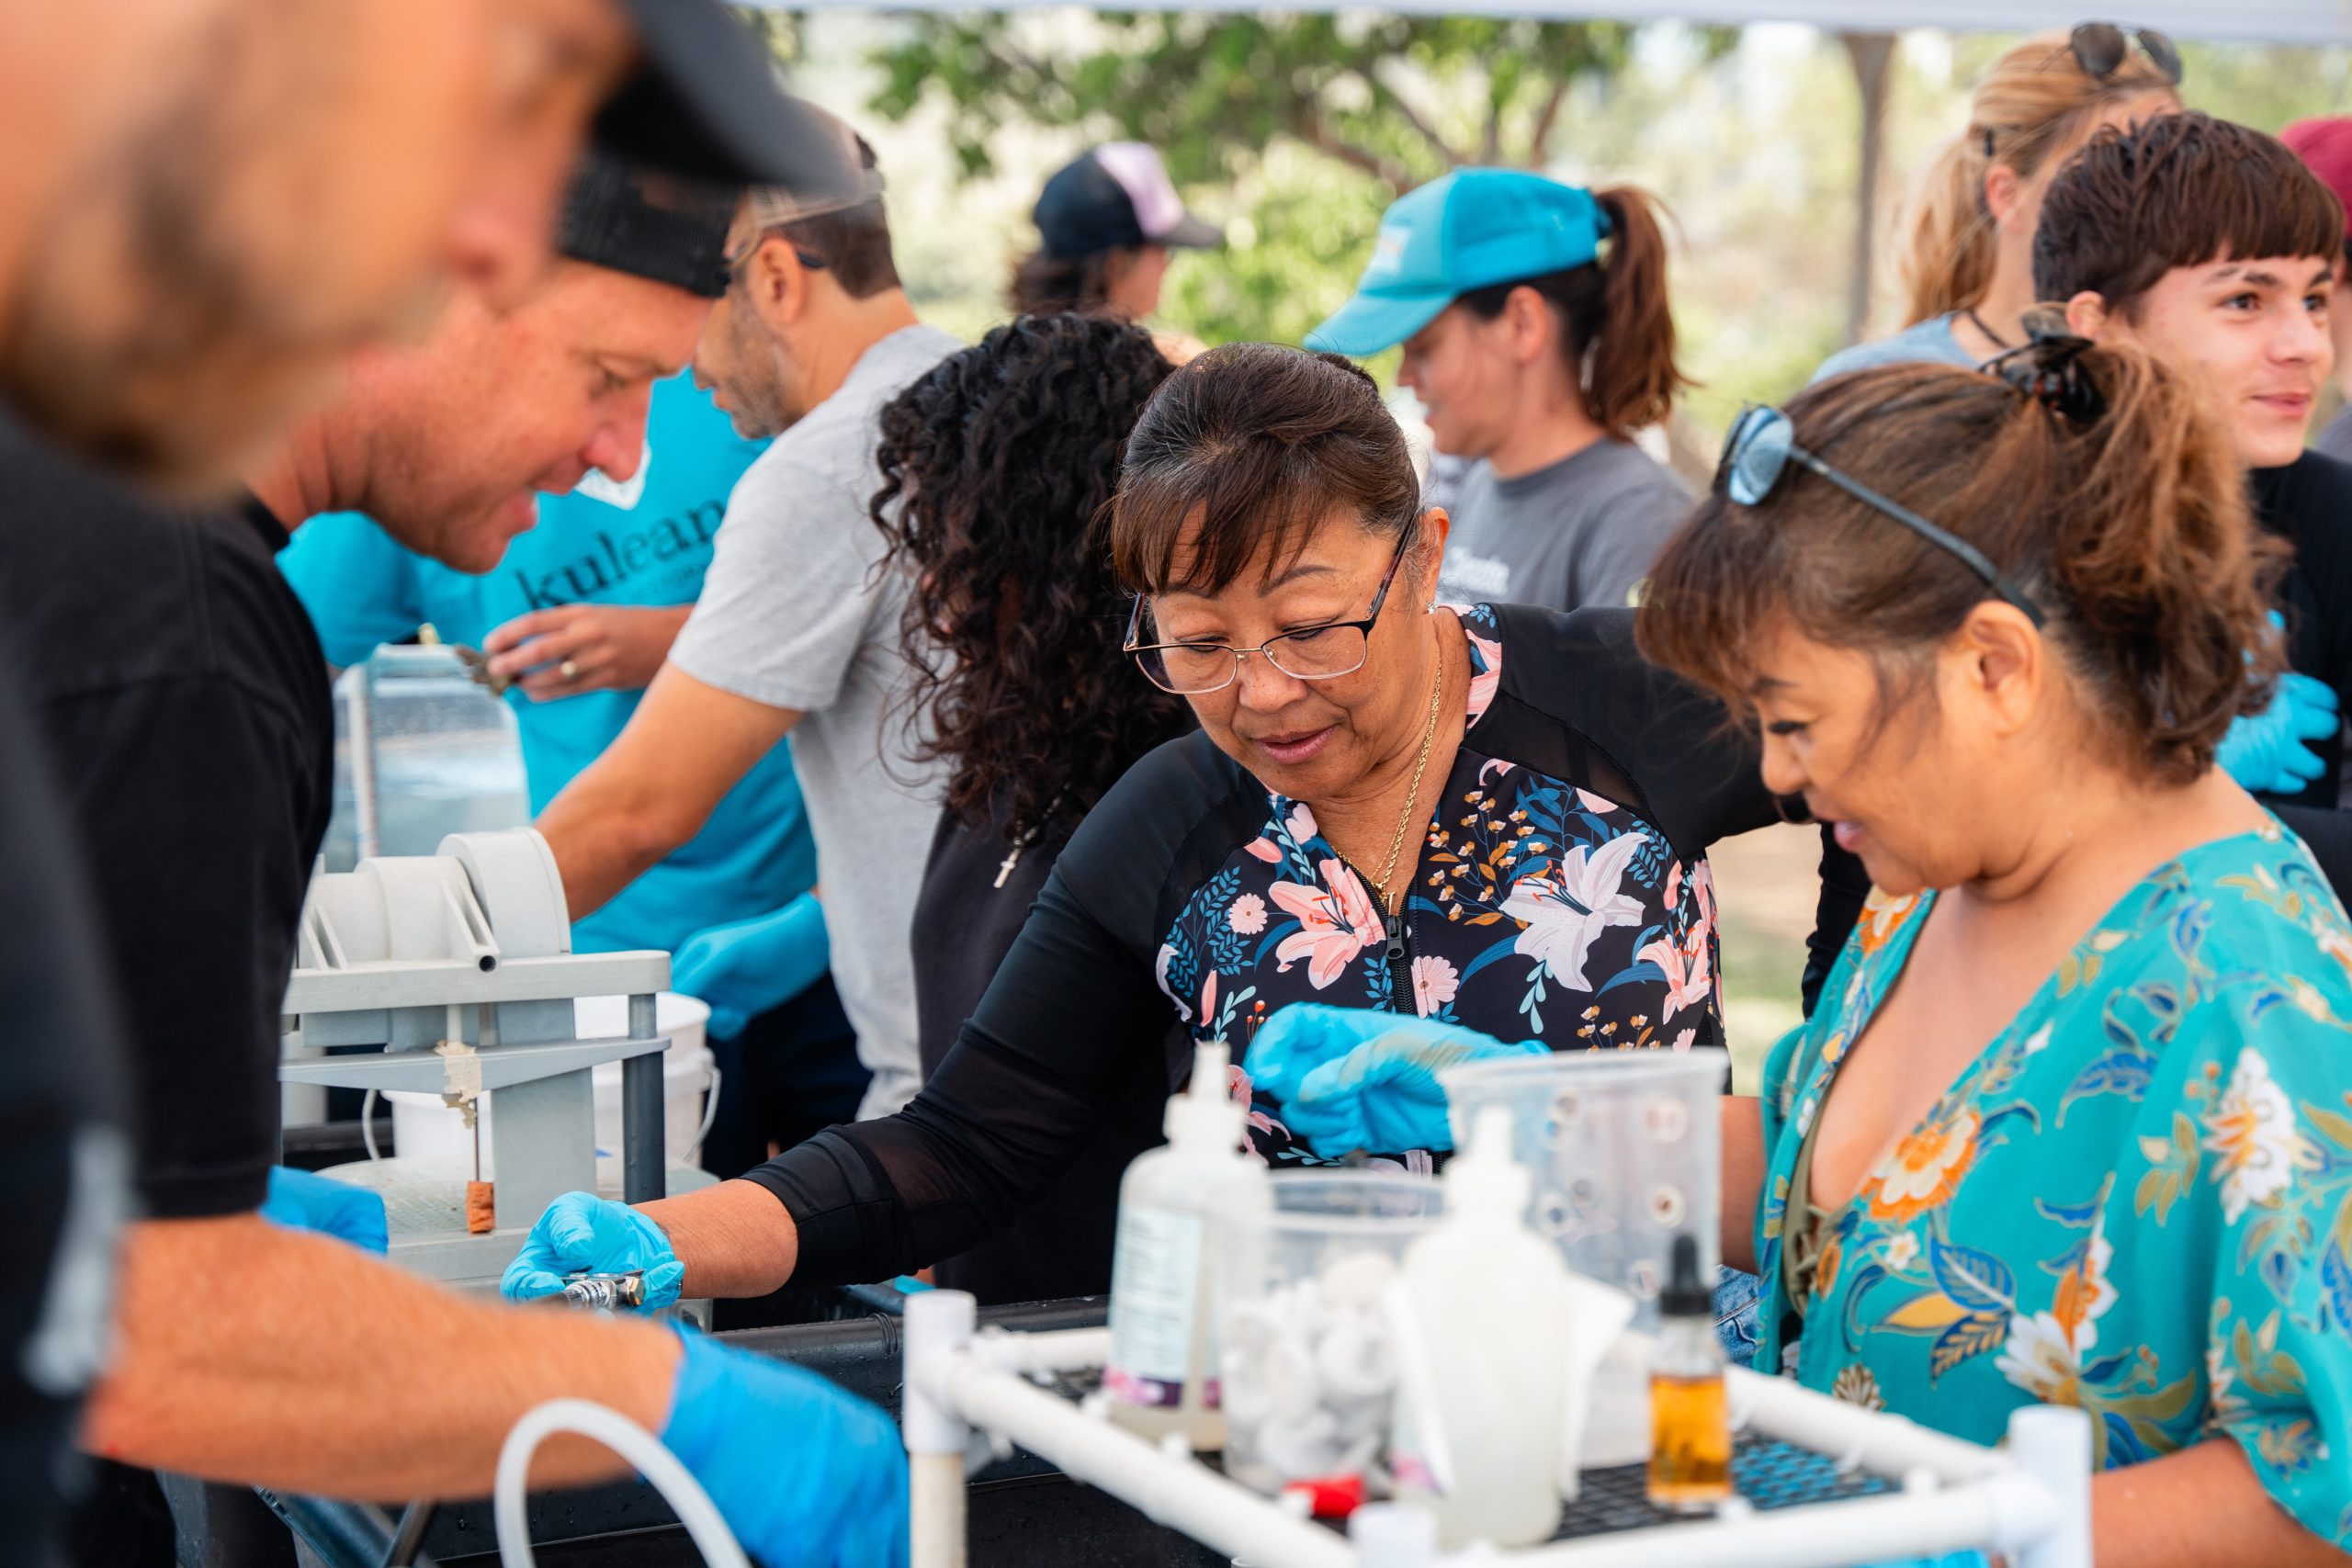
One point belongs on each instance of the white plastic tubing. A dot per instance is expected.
(632, 1442)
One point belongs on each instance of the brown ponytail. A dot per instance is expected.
(2123, 517)
(1616, 323)
(1947, 256)
(1632, 376)
(2036, 104)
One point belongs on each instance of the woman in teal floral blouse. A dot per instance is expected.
(2071, 1123)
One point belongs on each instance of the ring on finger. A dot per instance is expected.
(567, 669)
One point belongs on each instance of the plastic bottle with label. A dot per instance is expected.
(1482, 1349)
(1162, 1372)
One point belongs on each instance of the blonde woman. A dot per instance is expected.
(1968, 255)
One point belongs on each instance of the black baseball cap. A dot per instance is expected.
(673, 229)
(1116, 196)
(704, 103)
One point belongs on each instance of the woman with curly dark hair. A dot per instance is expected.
(998, 468)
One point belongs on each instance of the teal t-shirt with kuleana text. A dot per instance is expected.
(645, 542)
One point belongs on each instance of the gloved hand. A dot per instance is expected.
(581, 1234)
(807, 1475)
(305, 1201)
(744, 968)
(1353, 1078)
(2270, 752)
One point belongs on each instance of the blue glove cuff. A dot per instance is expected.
(688, 1430)
(746, 968)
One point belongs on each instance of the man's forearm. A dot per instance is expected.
(654, 787)
(735, 1238)
(252, 1354)
(601, 845)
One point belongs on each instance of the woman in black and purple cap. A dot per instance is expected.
(1108, 222)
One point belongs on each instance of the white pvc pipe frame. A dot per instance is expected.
(2031, 1503)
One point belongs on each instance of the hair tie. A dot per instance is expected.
(2047, 368)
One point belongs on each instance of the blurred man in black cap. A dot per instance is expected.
(182, 687)
(191, 232)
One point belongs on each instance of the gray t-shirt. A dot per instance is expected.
(1583, 531)
(793, 613)
(1927, 341)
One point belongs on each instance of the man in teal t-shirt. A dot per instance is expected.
(587, 603)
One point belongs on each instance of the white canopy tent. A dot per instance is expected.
(2260, 21)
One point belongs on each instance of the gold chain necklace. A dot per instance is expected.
(1413, 795)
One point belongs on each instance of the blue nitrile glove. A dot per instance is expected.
(744, 968)
(581, 1234)
(305, 1201)
(1352, 1078)
(2270, 752)
(807, 1475)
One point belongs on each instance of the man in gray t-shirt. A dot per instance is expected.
(798, 629)
(1581, 531)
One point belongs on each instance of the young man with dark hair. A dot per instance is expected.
(2212, 246)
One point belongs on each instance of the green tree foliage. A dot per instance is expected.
(1400, 99)
(1297, 128)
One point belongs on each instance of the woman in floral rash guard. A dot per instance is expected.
(2071, 1123)
(1494, 815)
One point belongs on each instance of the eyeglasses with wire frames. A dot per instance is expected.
(2102, 47)
(1311, 653)
(1762, 445)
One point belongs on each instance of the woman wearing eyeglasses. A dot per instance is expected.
(1495, 817)
(2070, 1124)
(1967, 252)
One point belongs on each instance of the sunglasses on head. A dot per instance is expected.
(1763, 443)
(2102, 47)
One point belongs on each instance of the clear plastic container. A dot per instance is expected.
(1308, 1363)
(421, 751)
(1626, 1149)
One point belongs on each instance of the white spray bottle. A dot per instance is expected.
(1483, 1318)
(1162, 1370)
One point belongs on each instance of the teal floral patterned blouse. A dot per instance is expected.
(2138, 1199)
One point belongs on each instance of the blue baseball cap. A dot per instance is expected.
(1473, 229)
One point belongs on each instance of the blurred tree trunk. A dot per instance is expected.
(1872, 56)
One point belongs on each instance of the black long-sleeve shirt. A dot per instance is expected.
(1562, 893)
(2308, 502)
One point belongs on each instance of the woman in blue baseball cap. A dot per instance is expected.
(1538, 337)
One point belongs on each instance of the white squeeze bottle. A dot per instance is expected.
(1162, 1371)
(1484, 1341)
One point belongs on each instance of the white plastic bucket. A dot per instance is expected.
(431, 1136)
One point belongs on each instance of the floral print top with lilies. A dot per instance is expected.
(1539, 911)
(2138, 1199)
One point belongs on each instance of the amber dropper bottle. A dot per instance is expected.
(1689, 1424)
